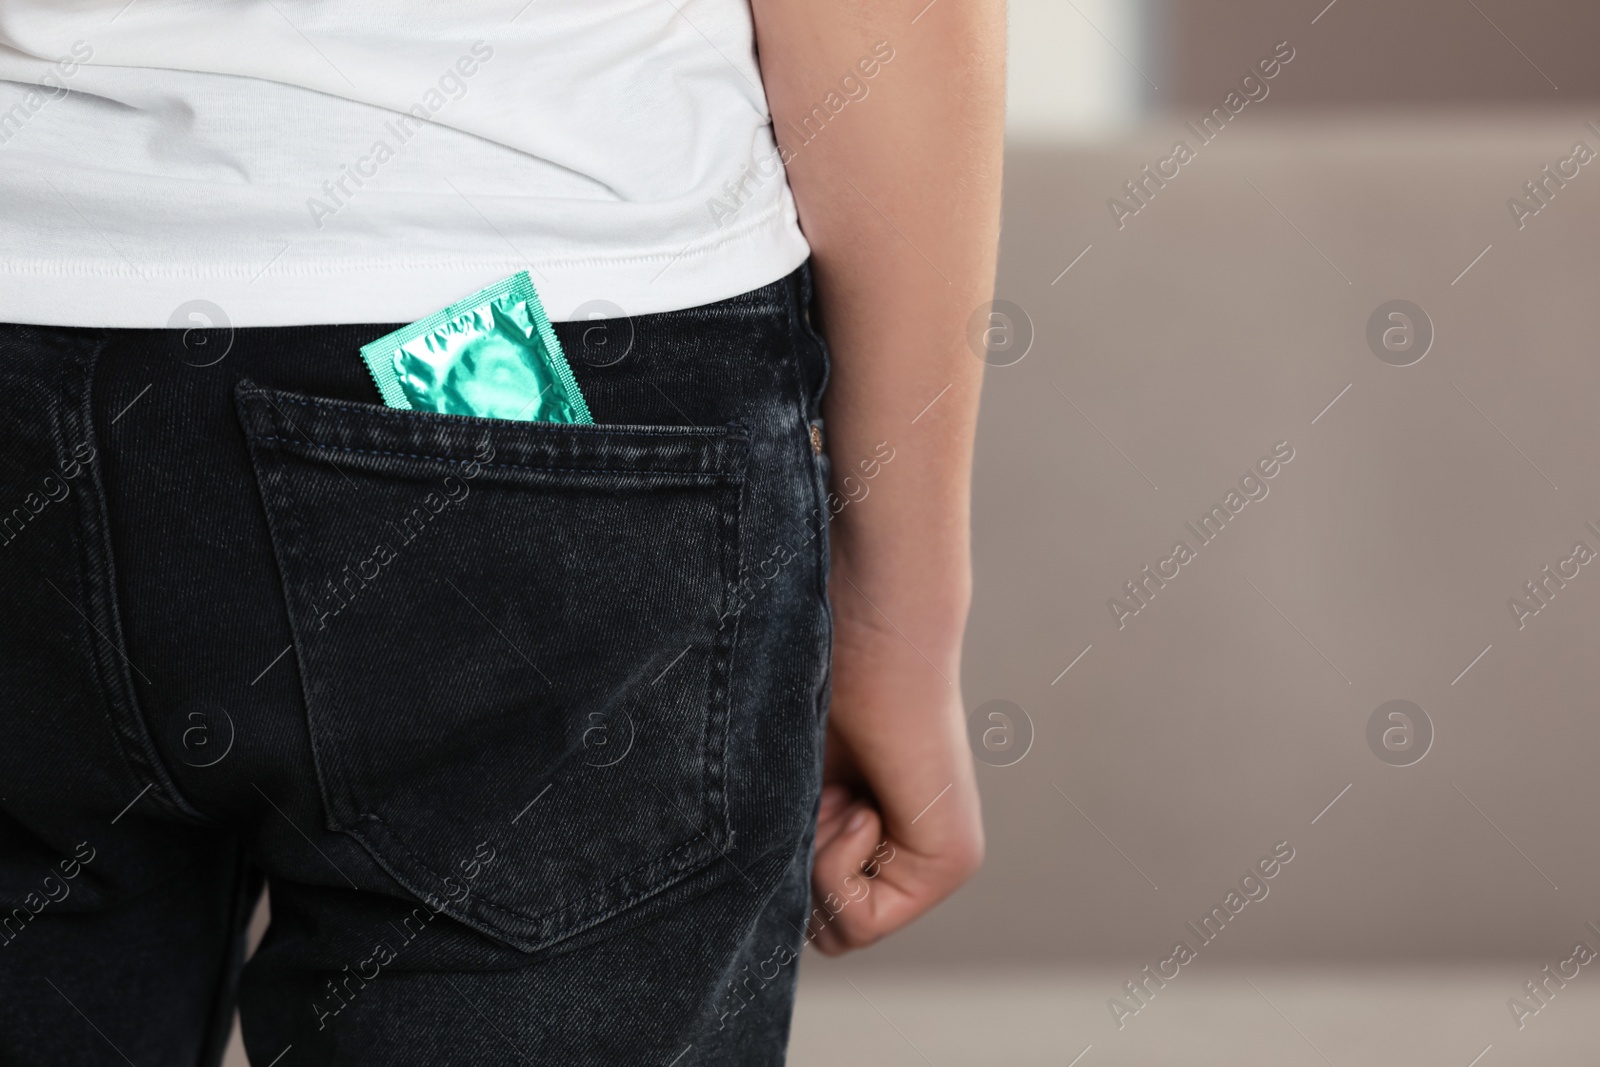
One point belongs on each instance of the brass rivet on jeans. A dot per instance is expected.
(816, 439)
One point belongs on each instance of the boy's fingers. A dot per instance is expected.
(841, 915)
(830, 809)
(827, 832)
(828, 942)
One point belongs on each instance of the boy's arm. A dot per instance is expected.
(899, 197)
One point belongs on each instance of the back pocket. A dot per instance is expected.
(515, 645)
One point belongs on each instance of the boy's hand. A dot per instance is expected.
(899, 827)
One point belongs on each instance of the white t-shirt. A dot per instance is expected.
(320, 161)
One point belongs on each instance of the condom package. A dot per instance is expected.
(493, 355)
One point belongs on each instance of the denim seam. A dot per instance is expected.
(720, 712)
(711, 475)
(801, 326)
(97, 585)
(819, 488)
(398, 413)
(277, 537)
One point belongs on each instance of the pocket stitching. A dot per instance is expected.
(541, 917)
(397, 413)
(712, 475)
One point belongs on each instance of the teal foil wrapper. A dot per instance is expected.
(493, 355)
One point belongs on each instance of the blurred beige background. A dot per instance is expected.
(1228, 712)
(1231, 713)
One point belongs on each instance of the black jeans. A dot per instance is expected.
(521, 722)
